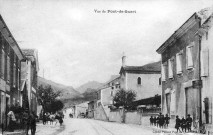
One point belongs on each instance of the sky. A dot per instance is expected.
(76, 44)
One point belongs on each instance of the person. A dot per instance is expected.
(60, 120)
(188, 123)
(151, 120)
(26, 120)
(44, 118)
(33, 118)
(161, 121)
(56, 118)
(183, 124)
(177, 124)
(154, 121)
(12, 120)
(52, 117)
(167, 118)
(157, 121)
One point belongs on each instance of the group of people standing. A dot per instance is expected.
(58, 118)
(160, 121)
(28, 120)
(184, 124)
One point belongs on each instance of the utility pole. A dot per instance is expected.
(43, 73)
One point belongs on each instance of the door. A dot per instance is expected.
(168, 102)
(191, 102)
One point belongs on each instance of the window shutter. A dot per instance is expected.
(179, 63)
(14, 75)
(163, 75)
(204, 63)
(8, 68)
(3, 63)
(189, 57)
(170, 69)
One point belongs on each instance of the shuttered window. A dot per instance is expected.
(163, 73)
(170, 66)
(189, 58)
(14, 75)
(3, 63)
(8, 68)
(179, 69)
(204, 59)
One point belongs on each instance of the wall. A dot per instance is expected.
(149, 84)
(133, 118)
(207, 81)
(115, 116)
(180, 83)
(100, 113)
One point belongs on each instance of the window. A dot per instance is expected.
(189, 58)
(139, 81)
(160, 81)
(204, 59)
(8, 68)
(18, 81)
(163, 73)
(14, 75)
(170, 66)
(3, 62)
(179, 69)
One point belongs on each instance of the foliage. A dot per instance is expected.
(47, 97)
(124, 98)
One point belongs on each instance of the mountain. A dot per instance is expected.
(89, 86)
(67, 92)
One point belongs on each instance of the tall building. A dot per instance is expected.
(10, 67)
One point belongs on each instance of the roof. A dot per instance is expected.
(203, 15)
(10, 39)
(28, 52)
(149, 101)
(32, 55)
(154, 67)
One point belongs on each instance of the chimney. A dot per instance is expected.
(123, 60)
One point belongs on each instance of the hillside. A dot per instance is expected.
(68, 92)
(89, 86)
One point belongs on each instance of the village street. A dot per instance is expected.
(74, 126)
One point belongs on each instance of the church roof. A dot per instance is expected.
(154, 67)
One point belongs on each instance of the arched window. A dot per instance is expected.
(139, 81)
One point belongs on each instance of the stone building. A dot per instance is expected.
(30, 68)
(10, 59)
(144, 80)
(183, 72)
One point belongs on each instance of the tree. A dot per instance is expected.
(124, 98)
(48, 99)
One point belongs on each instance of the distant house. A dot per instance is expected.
(105, 96)
(30, 68)
(144, 80)
(80, 108)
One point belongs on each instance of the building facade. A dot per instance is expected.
(30, 68)
(183, 70)
(144, 80)
(10, 67)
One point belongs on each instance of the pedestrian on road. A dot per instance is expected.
(151, 121)
(161, 121)
(167, 118)
(60, 120)
(183, 124)
(154, 121)
(33, 118)
(44, 118)
(178, 124)
(12, 120)
(189, 123)
(157, 121)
